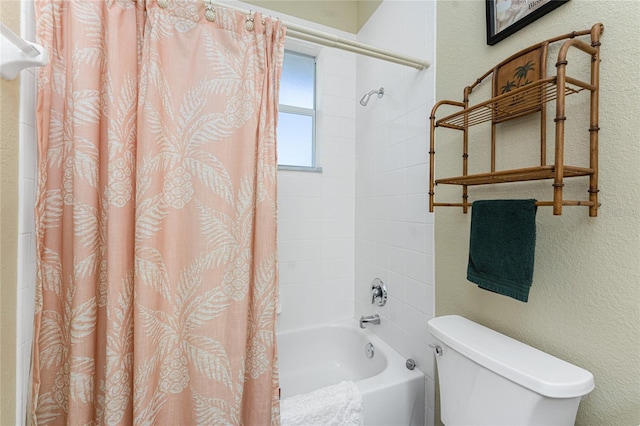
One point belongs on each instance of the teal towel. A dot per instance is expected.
(502, 246)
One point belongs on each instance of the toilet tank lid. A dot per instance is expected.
(529, 367)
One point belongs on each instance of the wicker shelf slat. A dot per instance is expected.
(516, 175)
(529, 98)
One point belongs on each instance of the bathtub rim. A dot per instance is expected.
(394, 373)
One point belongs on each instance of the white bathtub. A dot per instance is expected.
(315, 357)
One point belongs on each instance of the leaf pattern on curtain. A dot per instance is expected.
(156, 215)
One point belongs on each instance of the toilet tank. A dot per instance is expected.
(487, 378)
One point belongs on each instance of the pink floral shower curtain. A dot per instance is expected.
(156, 214)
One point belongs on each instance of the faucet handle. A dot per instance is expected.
(375, 293)
(378, 292)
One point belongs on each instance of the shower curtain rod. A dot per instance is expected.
(17, 54)
(325, 39)
(18, 42)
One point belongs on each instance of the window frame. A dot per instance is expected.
(303, 50)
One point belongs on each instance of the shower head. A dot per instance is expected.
(365, 99)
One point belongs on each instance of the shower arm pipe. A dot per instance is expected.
(325, 39)
(365, 99)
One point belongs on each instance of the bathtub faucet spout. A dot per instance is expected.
(369, 319)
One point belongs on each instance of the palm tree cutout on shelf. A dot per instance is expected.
(507, 87)
(520, 79)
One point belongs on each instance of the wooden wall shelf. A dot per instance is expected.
(520, 87)
(517, 175)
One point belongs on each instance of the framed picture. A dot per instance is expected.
(505, 17)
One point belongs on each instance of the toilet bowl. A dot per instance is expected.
(487, 378)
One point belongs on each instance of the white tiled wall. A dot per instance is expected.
(317, 210)
(394, 231)
(26, 224)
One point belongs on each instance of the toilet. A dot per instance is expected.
(487, 378)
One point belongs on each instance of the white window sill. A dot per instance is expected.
(299, 169)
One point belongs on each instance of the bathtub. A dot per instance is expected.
(314, 357)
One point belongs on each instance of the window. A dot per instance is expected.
(297, 113)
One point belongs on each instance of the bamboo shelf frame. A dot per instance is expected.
(516, 94)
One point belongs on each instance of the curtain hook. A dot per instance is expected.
(248, 22)
(210, 11)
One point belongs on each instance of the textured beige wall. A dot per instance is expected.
(9, 103)
(584, 305)
(345, 15)
(364, 10)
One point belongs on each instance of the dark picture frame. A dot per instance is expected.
(505, 17)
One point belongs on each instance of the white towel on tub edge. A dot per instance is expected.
(337, 405)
